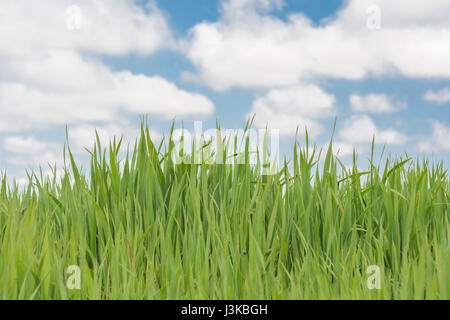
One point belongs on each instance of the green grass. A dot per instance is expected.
(148, 228)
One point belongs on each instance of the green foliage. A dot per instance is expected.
(150, 227)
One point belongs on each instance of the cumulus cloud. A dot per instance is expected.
(50, 75)
(83, 136)
(376, 103)
(30, 151)
(362, 129)
(439, 140)
(98, 26)
(442, 96)
(26, 106)
(343, 149)
(288, 108)
(256, 49)
(241, 8)
(25, 145)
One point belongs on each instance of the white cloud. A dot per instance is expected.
(285, 109)
(439, 140)
(64, 88)
(256, 49)
(155, 95)
(404, 13)
(109, 27)
(34, 161)
(376, 103)
(237, 9)
(29, 151)
(83, 136)
(25, 145)
(442, 96)
(49, 76)
(343, 149)
(362, 129)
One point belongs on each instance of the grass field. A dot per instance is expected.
(148, 228)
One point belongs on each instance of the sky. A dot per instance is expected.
(380, 68)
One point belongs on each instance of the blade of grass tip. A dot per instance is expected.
(397, 166)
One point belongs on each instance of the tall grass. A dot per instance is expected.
(149, 227)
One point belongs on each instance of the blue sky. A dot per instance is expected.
(380, 67)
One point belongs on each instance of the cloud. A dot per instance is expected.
(376, 103)
(25, 145)
(405, 13)
(65, 88)
(241, 8)
(439, 140)
(257, 49)
(442, 96)
(344, 149)
(288, 108)
(52, 76)
(29, 151)
(83, 136)
(97, 26)
(362, 129)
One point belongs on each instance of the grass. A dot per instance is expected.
(149, 228)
